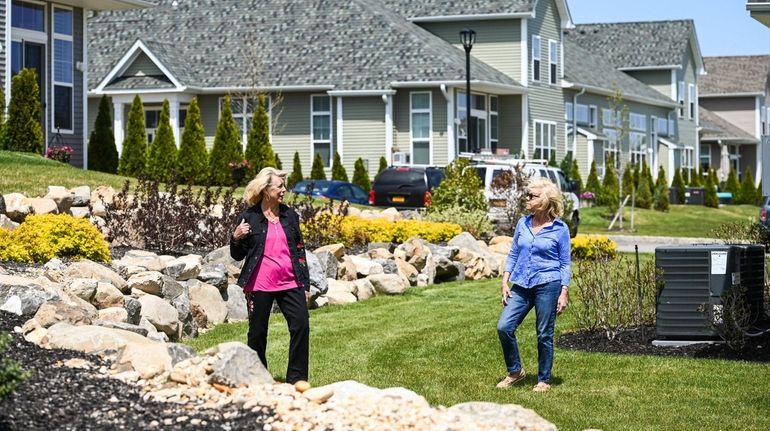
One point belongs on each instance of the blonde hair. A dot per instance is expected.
(553, 204)
(253, 193)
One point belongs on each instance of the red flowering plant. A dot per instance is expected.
(239, 164)
(61, 153)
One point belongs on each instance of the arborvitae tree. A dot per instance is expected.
(695, 178)
(592, 184)
(133, 156)
(628, 181)
(552, 160)
(647, 176)
(661, 181)
(660, 199)
(338, 171)
(259, 152)
(678, 183)
(636, 176)
(193, 160)
(575, 174)
(227, 147)
(714, 180)
(161, 160)
(747, 192)
(610, 187)
(732, 185)
(3, 129)
(759, 193)
(24, 131)
(566, 166)
(317, 170)
(360, 176)
(644, 195)
(296, 172)
(710, 199)
(102, 152)
(383, 164)
(278, 163)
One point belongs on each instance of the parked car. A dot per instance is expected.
(405, 187)
(332, 189)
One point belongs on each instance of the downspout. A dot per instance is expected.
(574, 119)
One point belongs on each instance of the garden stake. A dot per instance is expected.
(638, 292)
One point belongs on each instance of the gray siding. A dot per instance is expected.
(659, 80)
(292, 130)
(363, 133)
(687, 133)
(510, 123)
(401, 121)
(143, 65)
(76, 139)
(498, 42)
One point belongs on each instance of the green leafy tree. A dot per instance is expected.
(575, 174)
(161, 160)
(592, 184)
(24, 131)
(338, 171)
(732, 182)
(678, 184)
(710, 199)
(461, 188)
(360, 176)
(227, 147)
(134, 154)
(747, 192)
(296, 172)
(317, 170)
(193, 160)
(102, 152)
(383, 164)
(644, 195)
(660, 199)
(610, 186)
(628, 181)
(259, 152)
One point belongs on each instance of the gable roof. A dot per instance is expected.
(351, 45)
(454, 10)
(643, 44)
(583, 69)
(747, 75)
(714, 128)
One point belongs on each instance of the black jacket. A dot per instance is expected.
(252, 246)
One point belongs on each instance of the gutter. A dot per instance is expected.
(512, 89)
(360, 93)
(631, 97)
(666, 67)
(475, 17)
(574, 117)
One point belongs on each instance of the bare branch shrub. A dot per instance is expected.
(731, 318)
(744, 232)
(510, 197)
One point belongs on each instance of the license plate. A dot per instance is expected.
(398, 199)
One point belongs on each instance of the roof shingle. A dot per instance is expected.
(735, 74)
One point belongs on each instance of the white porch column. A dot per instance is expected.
(525, 125)
(340, 142)
(450, 126)
(173, 105)
(388, 99)
(117, 125)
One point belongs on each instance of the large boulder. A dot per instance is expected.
(148, 281)
(318, 284)
(366, 267)
(43, 206)
(148, 358)
(6, 223)
(133, 309)
(337, 250)
(239, 365)
(364, 289)
(104, 194)
(88, 269)
(83, 288)
(347, 269)
(491, 416)
(185, 267)
(387, 284)
(113, 314)
(54, 312)
(107, 296)
(341, 292)
(145, 259)
(23, 296)
(215, 275)
(171, 289)
(61, 196)
(17, 207)
(406, 271)
(81, 196)
(210, 300)
(163, 316)
(236, 304)
(328, 262)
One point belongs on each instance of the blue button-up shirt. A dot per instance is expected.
(542, 258)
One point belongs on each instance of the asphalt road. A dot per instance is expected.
(647, 244)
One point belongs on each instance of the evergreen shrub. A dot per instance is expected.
(43, 237)
(461, 188)
(296, 172)
(161, 159)
(226, 148)
(134, 153)
(23, 129)
(317, 170)
(193, 159)
(259, 152)
(102, 152)
(360, 176)
(338, 171)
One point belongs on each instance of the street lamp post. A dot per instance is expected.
(468, 37)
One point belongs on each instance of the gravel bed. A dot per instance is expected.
(62, 398)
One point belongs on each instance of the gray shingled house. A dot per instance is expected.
(361, 77)
(759, 10)
(50, 38)
(665, 56)
(735, 93)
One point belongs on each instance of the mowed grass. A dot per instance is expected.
(681, 220)
(441, 342)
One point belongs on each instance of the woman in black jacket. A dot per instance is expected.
(275, 269)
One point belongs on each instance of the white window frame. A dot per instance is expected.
(429, 111)
(608, 118)
(536, 59)
(688, 153)
(150, 131)
(553, 62)
(494, 116)
(244, 114)
(330, 141)
(637, 122)
(593, 116)
(705, 155)
(568, 111)
(638, 147)
(611, 146)
(541, 144)
(680, 98)
(21, 35)
(691, 101)
(52, 67)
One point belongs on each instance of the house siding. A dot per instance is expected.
(737, 110)
(75, 139)
(510, 123)
(363, 132)
(659, 80)
(498, 42)
(143, 65)
(401, 121)
(687, 134)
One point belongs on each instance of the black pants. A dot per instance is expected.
(293, 305)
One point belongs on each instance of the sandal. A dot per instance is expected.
(541, 387)
(511, 379)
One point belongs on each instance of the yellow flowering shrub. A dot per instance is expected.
(356, 230)
(43, 237)
(593, 247)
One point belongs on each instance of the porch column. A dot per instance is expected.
(388, 99)
(525, 125)
(340, 141)
(173, 105)
(117, 125)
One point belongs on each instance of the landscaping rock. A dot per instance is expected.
(239, 365)
(184, 310)
(6, 223)
(103, 193)
(2, 205)
(365, 267)
(136, 329)
(83, 288)
(148, 281)
(61, 196)
(210, 300)
(341, 292)
(133, 310)
(180, 352)
(364, 289)
(98, 209)
(236, 304)
(17, 207)
(79, 212)
(379, 254)
(53, 312)
(171, 289)
(388, 265)
(146, 357)
(337, 250)
(107, 296)
(146, 259)
(328, 262)
(387, 284)
(113, 314)
(215, 275)
(346, 271)
(30, 295)
(406, 271)
(220, 255)
(88, 269)
(318, 284)
(161, 314)
(185, 267)
(43, 206)
(491, 416)
(81, 196)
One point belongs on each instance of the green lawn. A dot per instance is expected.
(681, 220)
(441, 342)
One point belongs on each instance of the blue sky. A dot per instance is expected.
(724, 27)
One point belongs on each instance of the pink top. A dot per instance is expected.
(275, 272)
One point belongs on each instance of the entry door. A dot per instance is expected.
(31, 55)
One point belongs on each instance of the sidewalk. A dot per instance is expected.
(647, 244)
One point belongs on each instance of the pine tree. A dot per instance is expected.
(678, 184)
(592, 184)
(610, 187)
(628, 181)
(566, 166)
(296, 172)
(317, 170)
(661, 181)
(383, 164)
(710, 199)
(644, 195)
(193, 159)
(647, 176)
(23, 130)
(759, 193)
(259, 152)
(714, 180)
(102, 152)
(732, 185)
(338, 171)
(747, 192)
(660, 199)
(552, 160)
(360, 176)
(278, 163)
(227, 147)
(134, 153)
(575, 173)
(161, 160)
(695, 179)
(3, 129)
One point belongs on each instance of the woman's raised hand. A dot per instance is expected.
(242, 230)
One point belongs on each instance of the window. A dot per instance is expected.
(545, 139)
(243, 109)
(705, 157)
(687, 160)
(691, 104)
(638, 122)
(608, 118)
(582, 114)
(152, 120)
(494, 132)
(662, 126)
(592, 116)
(680, 98)
(462, 123)
(568, 111)
(763, 114)
(321, 127)
(63, 69)
(638, 142)
(28, 16)
(536, 58)
(553, 55)
(420, 126)
(611, 147)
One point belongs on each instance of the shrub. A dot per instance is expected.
(660, 198)
(296, 172)
(732, 318)
(592, 183)
(317, 170)
(750, 232)
(23, 130)
(193, 160)
(324, 227)
(592, 247)
(278, 163)
(3, 128)
(259, 152)
(360, 176)
(227, 147)
(356, 231)
(102, 152)
(731, 185)
(11, 373)
(43, 237)
(661, 181)
(461, 188)
(61, 154)
(475, 222)
(575, 174)
(628, 181)
(643, 194)
(133, 155)
(552, 160)
(566, 166)
(383, 164)
(647, 175)
(747, 192)
(710, 199)
(608, 195)
(161, 159)
(695, 179)
(509, 190)
(678, 183)
(338, 171)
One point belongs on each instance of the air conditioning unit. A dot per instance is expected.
(400, 158)
(694, 279)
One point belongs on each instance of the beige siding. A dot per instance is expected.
(581, 154)
(663, 155)
(737, 110)
(509, 119)
(659, 80)
(363, 132)
(401, 121)
(498, 42)
(143, 66)
(687, 131)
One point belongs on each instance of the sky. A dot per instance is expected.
(724, 27)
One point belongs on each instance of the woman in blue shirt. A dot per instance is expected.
(537, 274)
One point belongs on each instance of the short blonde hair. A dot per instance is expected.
(553, 205)
(253, 193)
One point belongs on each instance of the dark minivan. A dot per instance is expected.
(405, 187)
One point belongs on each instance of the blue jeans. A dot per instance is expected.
(544, 298)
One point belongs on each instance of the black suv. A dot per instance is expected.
(405, 186)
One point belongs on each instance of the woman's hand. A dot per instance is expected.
(241, 230)
(505, 292)
(561, 304)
